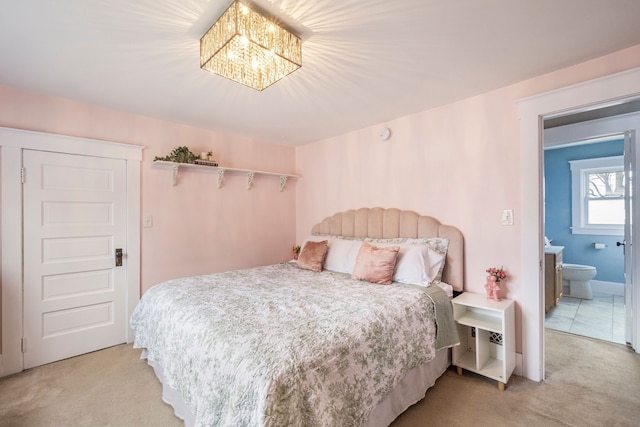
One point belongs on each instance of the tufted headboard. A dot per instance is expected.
(380, 223)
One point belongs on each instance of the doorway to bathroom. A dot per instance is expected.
(587, 221)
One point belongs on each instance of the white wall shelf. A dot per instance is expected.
(221, 170)
(487, 336)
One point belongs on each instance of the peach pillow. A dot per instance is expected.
(312, 255)
(374, 264)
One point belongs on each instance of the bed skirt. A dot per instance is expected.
(410, 390)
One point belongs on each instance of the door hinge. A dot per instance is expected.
(23, 344)
(22, 175)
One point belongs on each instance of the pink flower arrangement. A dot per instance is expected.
(499, 273)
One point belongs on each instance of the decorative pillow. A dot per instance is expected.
(312, 255)
(314, 238)
(438, 244)
(375, 264)
(417, 264)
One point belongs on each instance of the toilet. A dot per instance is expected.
(576, 280)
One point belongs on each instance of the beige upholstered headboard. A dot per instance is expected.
(379, 223)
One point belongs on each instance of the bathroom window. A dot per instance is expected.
(597, 194)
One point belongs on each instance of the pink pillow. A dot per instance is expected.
(312, 255)
(374, 264)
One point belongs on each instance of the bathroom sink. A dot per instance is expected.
(553, 249)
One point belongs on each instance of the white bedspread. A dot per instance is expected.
(281, 346)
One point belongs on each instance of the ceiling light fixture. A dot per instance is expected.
(248, 48)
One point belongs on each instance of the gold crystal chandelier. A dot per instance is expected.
(248, 48)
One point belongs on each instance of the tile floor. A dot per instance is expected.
(601, 318)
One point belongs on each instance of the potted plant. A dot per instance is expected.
(179, 155)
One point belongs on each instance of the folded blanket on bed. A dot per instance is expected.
(447, 334)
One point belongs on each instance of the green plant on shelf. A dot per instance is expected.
(179, 155)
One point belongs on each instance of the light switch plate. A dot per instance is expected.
(147, 221)
(507, 217)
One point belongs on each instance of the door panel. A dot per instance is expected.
(76, 284)
(74, 219)
(59, 213)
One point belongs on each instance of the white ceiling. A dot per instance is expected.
(364, 61)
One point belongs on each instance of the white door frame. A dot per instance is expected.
(12, 142)
(606, 127)
(611, 89)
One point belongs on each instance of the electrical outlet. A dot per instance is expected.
(507, 217)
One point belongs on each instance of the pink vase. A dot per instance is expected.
(493, 288)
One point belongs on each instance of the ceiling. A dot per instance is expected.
(364, 62)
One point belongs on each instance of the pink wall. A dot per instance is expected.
(459, 163)
(197, 228)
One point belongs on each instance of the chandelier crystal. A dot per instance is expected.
(249, 48)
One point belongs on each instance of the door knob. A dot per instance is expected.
(119, 257)
(619, 243)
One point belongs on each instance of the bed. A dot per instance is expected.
(286, 345)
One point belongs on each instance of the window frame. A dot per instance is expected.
(579, 202)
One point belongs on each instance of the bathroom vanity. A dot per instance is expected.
(552, 276)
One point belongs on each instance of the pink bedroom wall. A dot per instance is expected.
(459, 163)
(197, 228)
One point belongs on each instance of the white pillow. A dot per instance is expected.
(342, 254)
(417, 264)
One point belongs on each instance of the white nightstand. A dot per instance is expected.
(487, 336)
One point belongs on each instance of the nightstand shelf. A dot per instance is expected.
(480, 320)
(487, 336)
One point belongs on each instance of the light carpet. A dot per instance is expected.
(588, 383)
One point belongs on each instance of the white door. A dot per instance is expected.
(74, 211)
(630, 195)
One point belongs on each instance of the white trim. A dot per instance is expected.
(27, 139)
(612, 89)
(579, 206)
(594, 130)
(608, 287)
(11, 278)
(12, 142)
(133, 240)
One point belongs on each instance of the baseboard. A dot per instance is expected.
(518, 369)
(607, 287)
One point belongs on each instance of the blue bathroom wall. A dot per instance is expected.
(578, 248)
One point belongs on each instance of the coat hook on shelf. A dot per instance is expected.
(249, 180)
(283, 182)
(220, 177)
(174, 180)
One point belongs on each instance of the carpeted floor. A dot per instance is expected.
(589, 383)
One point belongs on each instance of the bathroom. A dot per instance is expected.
(592, 303)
